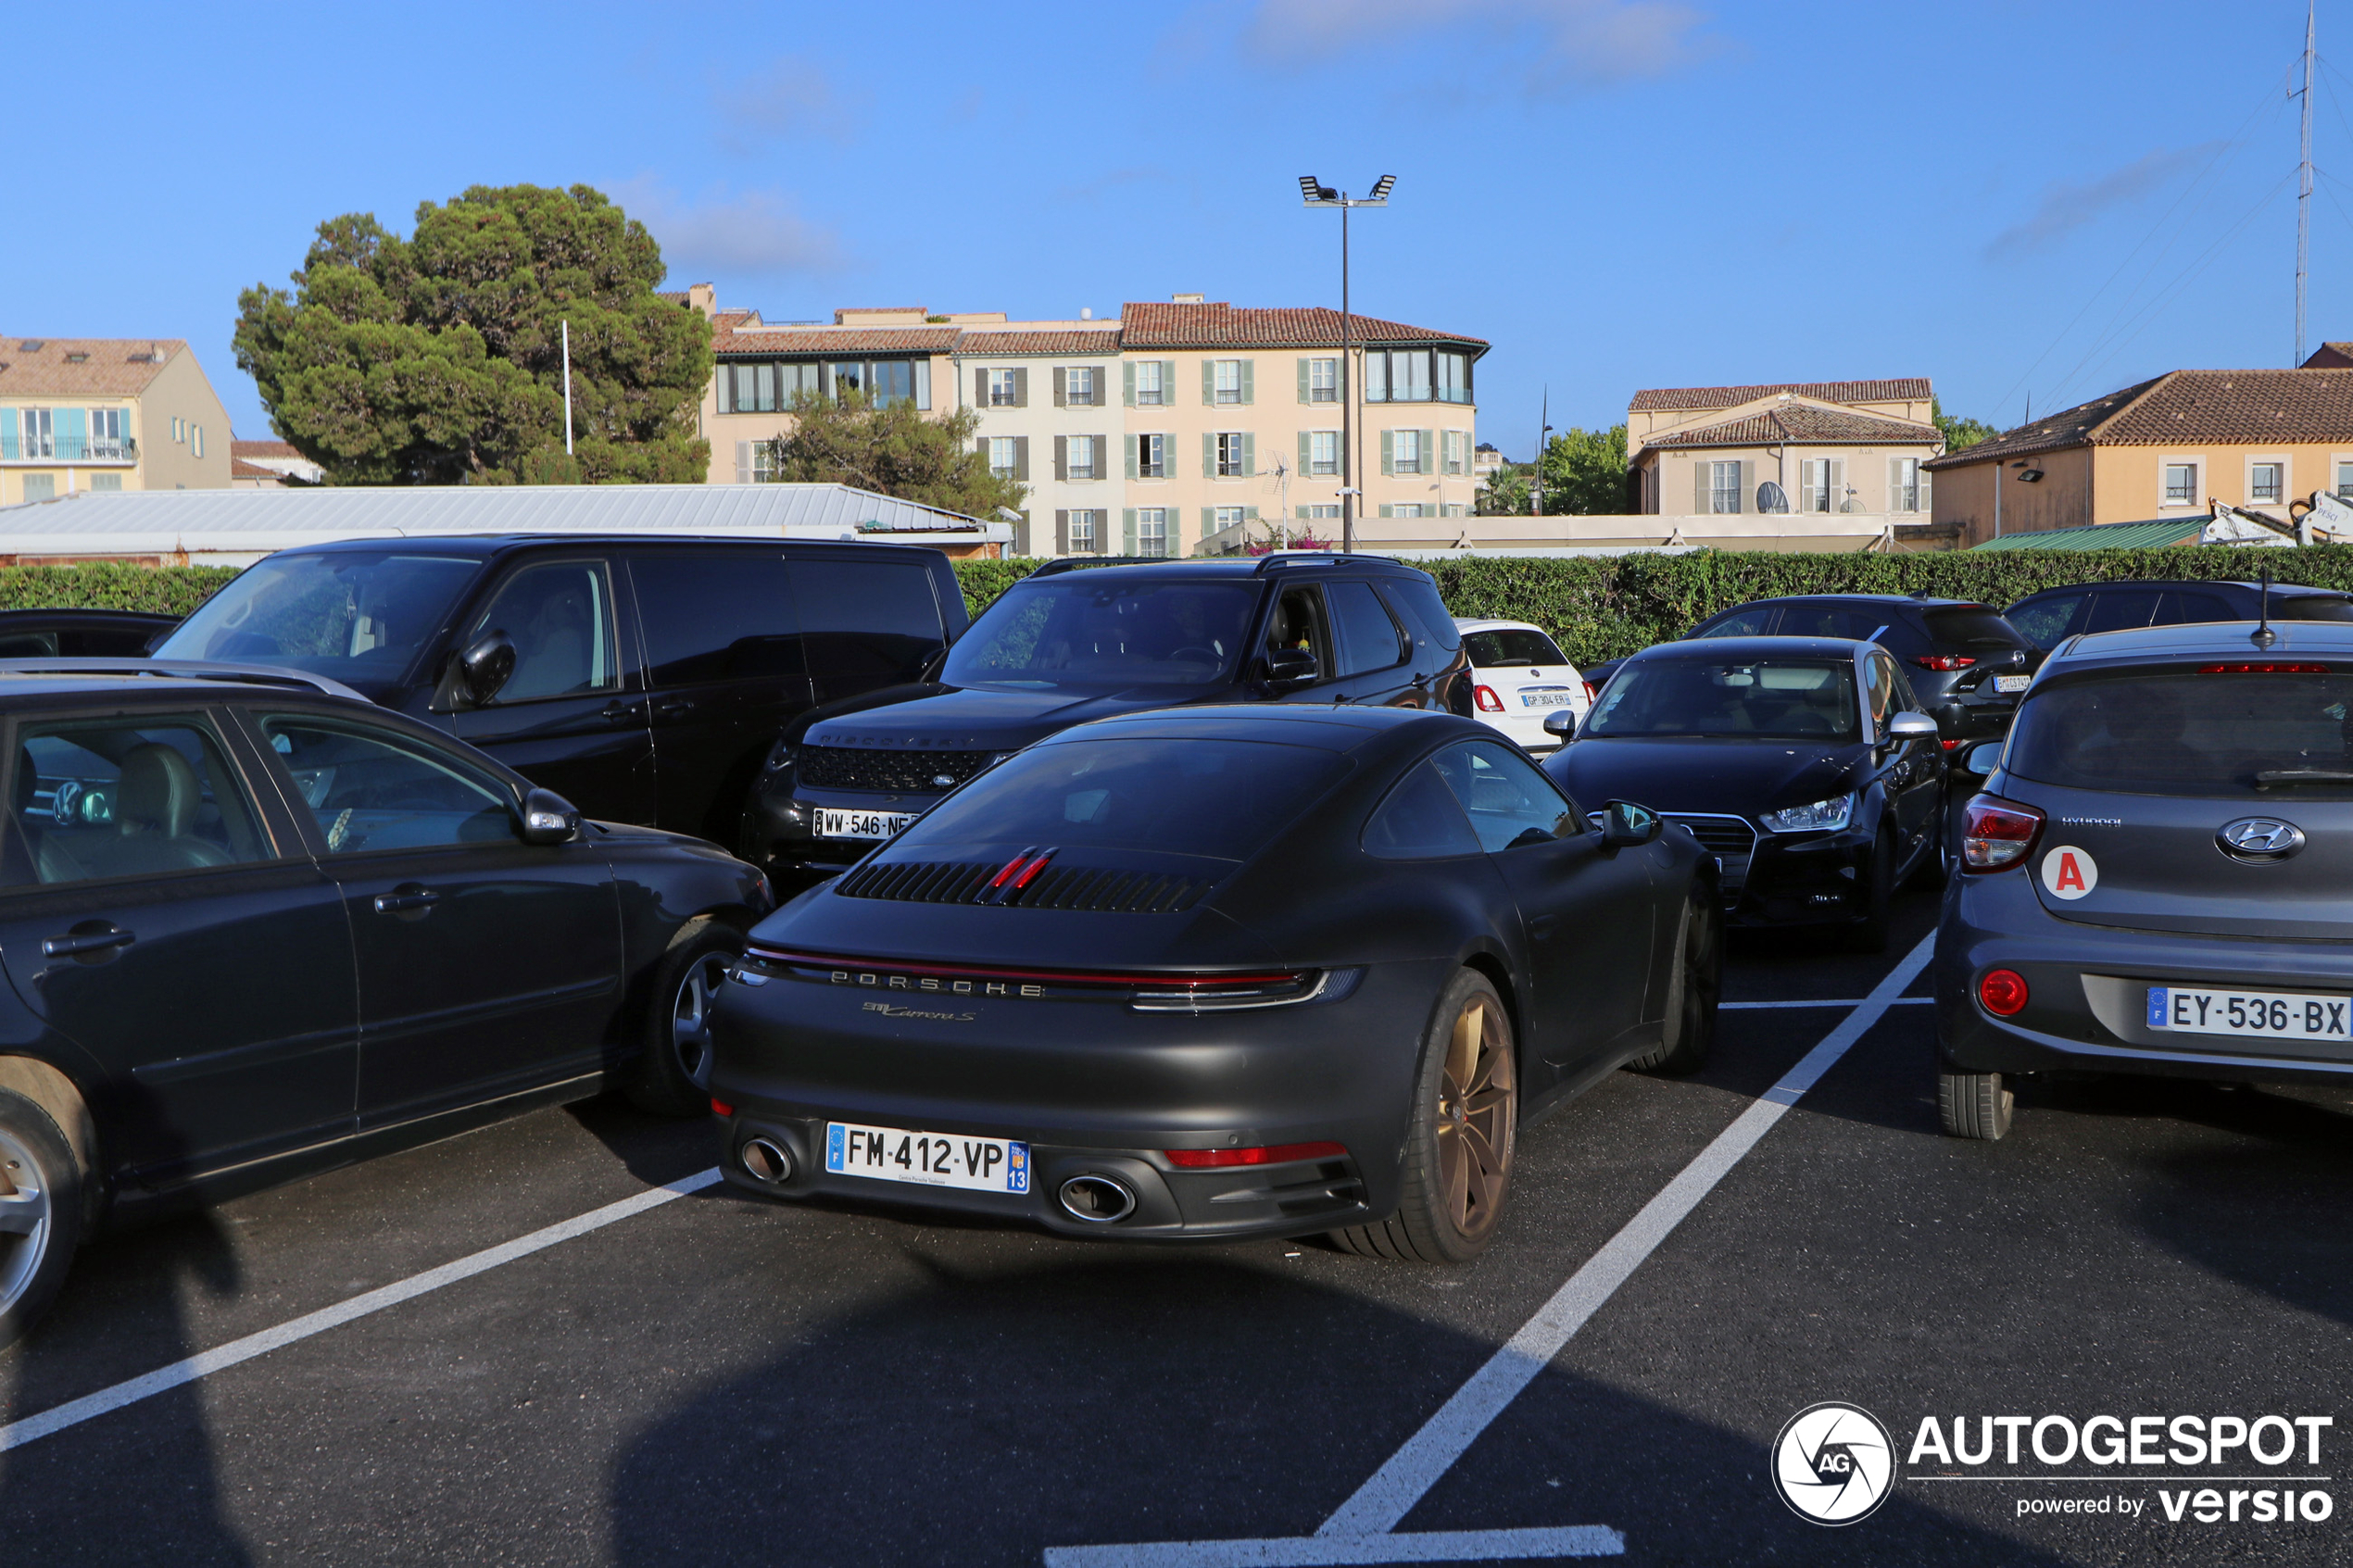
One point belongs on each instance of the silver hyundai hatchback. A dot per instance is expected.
(2157, 876)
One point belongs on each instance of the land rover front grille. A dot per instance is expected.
(887, 771)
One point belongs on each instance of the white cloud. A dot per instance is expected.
(2065, 207)
(746, 232)
(791, 95)
(1551, 46)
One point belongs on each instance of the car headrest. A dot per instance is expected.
(157, 792)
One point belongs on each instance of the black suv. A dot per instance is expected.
(644, 679)
(1965, 663)
(2051, 617)
(1066, 645)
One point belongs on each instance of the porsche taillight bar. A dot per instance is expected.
(1164, 980)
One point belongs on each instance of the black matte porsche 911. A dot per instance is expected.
(1216, 973)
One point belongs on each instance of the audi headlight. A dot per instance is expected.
(1823, 816)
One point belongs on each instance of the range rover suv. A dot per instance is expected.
(1076, 641)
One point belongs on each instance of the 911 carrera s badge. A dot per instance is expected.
(2069, 872)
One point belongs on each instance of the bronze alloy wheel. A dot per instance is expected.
(1457, 1166)
(26, 1217)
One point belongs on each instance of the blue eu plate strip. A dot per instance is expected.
(2157, 1006)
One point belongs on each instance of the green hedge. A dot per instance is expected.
(1607, 606)
(171, 590)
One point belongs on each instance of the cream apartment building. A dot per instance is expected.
(106, 414)
(1177, 429)
(1828, 447)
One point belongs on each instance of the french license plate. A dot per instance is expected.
(2012, 683)
(831, 823)
(934, 1160)
(2270, 1015)
(1546, 699)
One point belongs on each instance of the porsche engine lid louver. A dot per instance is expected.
(1029, 881)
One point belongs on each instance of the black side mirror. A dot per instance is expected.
(476, 675)
(1624, 824)
(1561, 722)
(1290, 667)
(1983, 758)
(547, 817)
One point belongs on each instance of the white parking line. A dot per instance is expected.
(1327, 1551)
(1834, 1002)
(16, 1434)
(1363, 1524)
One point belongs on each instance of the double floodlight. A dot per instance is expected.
(1315, 193)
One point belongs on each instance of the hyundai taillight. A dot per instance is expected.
(1944, 661)
(1279, 1154)
(1488, 701)
(2003, 991)
(1997, 834)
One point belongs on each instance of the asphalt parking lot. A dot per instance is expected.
(713, 1379)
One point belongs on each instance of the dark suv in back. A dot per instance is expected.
(1965, 663)
(1074, 642)
(644, 679)
(2054, 615)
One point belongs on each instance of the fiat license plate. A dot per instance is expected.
(2012, 683)
(937, 1159)
(831, 823)
(2268, 1015)
(1547, 699)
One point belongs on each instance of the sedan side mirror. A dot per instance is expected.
(1561, 722)
(547, 817)
(1902, 727)
(1290, 667)
(1983, 758)
(1624, 824)
(477, 674)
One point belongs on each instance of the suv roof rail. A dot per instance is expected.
(179, 669)
(1060, 564)
(1318, 558)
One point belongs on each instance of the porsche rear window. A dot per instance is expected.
(1222, 798)
(2262, 734)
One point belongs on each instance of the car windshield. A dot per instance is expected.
(1783, 698)
(1512, 645)
(1095, 632)
(1218, 798)
(2261, 733)
(358, 616)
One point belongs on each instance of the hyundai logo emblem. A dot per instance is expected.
(2259, 839)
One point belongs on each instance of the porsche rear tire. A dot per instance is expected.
(1694, 980)
(1460, 1142)
(673, 1076)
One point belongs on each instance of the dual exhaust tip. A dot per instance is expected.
(1092, 1198)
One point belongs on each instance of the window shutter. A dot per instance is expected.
(1208, 456)
(1306, 449)
(1739, 492)
(1429, 452)
(1208, 383)
(923, 386)
(1102, 457)
(1385, 508)
(1925, 477)
(1702, 498)
(1300, 513)
(1061, 386)
(1894, 483)
(1168, 382)
(743, 454)
(1248, 380)
(1130, 444)
(1208, 524)
(1062, 458)
(1388, 457)
(1127, 531)
(1249, 514)
(1249, 453)
(1021, 455)
(1302, 386)
(1021, 388)
(1838, 485)
(1062, 532)
(980, 389)
(1127, 384)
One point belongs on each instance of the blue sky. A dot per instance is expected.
(2018, 200)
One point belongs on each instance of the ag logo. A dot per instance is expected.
(1833, 1463)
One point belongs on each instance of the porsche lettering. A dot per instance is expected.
(934, 984)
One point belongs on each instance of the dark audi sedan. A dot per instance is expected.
(1214, 973)
(1805, 763)
(253, 929)
(2155, 878)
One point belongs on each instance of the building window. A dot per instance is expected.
(1078, 385)
(763, 462)
(2181, 484)
(1228, 381)
(1724, 488)
(2266, 482)
(1001, 459)
(1232, 455)
(106, 442)
(1224, 518)
(1150, 392)
(196, 441)
(1453, 442)
(179, 430)
(1082, 533)
(1406, 452)
(768, 388)
(1454, 377)
(1398, 376)
(2344, 481)
(1904, 484)
(1322, 452)
(40, 434)
(1001, 393)
(1081, 464)
(1319, 514)
(1151, 455)
(1817, 485)
(1323, 380)
(1151, 530)
(1406, 508)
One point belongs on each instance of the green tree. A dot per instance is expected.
(438, 359)
(1585, 473)
(1505, 492)
(1958, 433)
(895, 450)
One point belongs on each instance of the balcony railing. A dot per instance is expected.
(15, 448)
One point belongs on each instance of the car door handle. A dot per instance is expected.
(616, 712)
(75, 943)
(405, 898)
(671, 707)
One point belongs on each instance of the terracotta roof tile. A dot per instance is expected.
(250, 449)
(108, 367)
(1803, 421)
(240, 468)
(832, 340)
(1659, 397)
(1150, 325)
(2188, 408)
(1100, 341)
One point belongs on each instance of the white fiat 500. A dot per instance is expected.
(1520, 678)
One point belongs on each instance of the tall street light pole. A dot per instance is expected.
(1318, 195)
